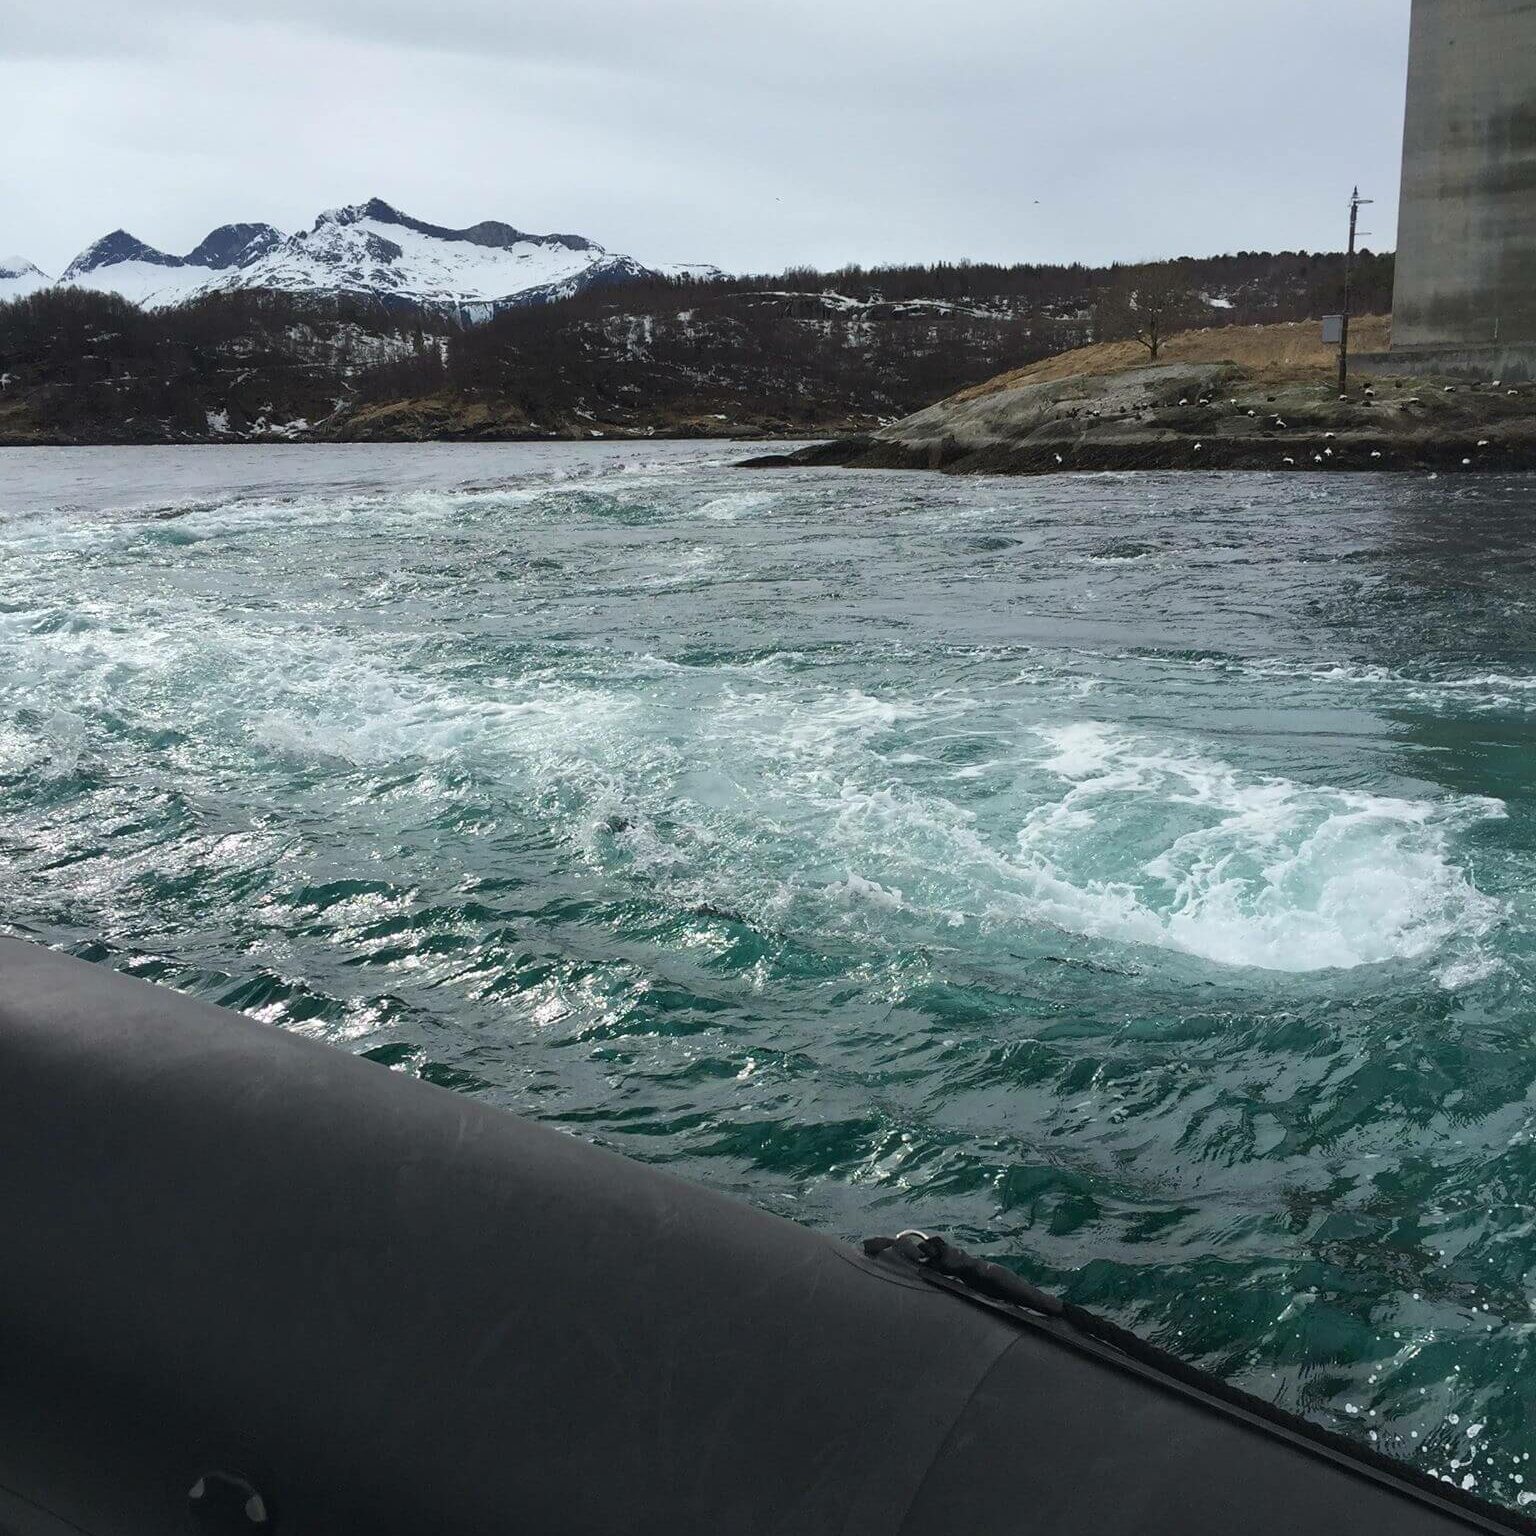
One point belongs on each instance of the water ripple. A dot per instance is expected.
(1127, 875)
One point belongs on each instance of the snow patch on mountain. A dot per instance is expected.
(19, 277)
(151, 284)
(373, 251)
(368, 250)
(700, 271)
(123, 264)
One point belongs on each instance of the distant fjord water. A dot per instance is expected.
(1130, 877)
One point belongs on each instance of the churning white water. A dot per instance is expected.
(1128, 875)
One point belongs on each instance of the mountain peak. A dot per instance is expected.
(234, 245)
(488, 232)
(20, 277)
(117, 247)
(354, 213)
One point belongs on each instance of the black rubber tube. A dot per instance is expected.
(251, 1282)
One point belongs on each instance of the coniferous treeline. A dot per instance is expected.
(81, 359)
(1301, 283)
(808, 346)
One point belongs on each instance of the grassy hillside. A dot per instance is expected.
(1292, 350)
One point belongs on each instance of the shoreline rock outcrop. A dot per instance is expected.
(1271, 403)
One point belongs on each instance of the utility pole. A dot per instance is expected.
(1356, 202)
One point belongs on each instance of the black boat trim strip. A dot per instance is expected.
(983, 1283)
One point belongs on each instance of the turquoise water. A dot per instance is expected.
(1128, 876)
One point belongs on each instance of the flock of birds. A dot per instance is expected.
(1275, 421)
(1279, 422)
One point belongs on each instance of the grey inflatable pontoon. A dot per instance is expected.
(252, 1283)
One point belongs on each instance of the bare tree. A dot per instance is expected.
(1146, 306)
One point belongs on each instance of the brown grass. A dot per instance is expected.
(1292, 348)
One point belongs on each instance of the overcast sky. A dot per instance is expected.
(751, 133)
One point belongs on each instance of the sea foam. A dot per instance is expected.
(1166, 845)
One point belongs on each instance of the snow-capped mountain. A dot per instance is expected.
(119, 263)
(370, 250)
(18, 278)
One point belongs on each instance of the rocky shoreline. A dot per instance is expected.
(1303, 453)
(1100, 410)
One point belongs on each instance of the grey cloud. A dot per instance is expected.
(750, 135)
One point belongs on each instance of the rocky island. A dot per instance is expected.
(1259, 397)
